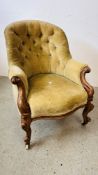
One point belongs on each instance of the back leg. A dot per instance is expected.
(89, 107)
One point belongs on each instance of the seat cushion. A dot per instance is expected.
(51, 95)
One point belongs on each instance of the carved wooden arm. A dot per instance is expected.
(86, 85)
(23, 108)
(21, 100)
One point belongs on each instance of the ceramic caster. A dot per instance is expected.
(27, 147)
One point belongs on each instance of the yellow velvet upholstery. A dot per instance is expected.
(37, 47)
(52, 94)
(38, 53)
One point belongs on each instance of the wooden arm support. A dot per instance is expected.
(24, 109)
(21, 100)
(89, 89)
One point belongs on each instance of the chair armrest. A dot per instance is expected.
(73, 70)
(15, 71)
(19, 81)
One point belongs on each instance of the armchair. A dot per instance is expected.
(47, 82)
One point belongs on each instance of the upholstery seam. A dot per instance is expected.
(54, 74)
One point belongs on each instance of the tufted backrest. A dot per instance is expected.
(37, 47)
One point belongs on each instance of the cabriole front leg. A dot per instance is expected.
(25, 124)
(24, 109)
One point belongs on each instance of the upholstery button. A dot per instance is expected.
(26, 56)
(20, 48)
(23, 43)
(29, 49)
(52, 32)
(40, 35)
(15, 33)
(41, 48)
(28, 35)
(34, 42)
(47, 41)
(54, 47)
(50, 55)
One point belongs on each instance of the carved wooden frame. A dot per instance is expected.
(25, 111)
(90, 91)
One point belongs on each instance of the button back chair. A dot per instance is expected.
(46, 81)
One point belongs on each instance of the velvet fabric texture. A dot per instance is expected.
(52, 94)
(38, 52)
